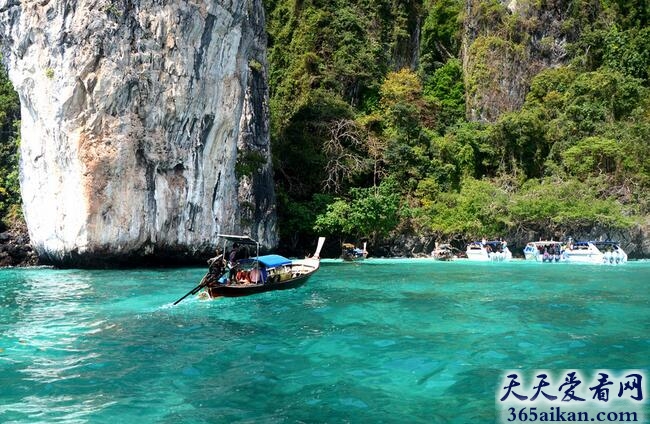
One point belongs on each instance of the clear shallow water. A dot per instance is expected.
(384, 341)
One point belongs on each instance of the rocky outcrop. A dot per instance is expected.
(144, 126)
(15, 249)
(504, 45)
(635, 241)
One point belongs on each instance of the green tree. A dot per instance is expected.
(594, 156)
(555, 206)
(446, 91)
(627, 51)
(520, 143)
(404, 110)
(9, 142)
(478, 210)
(367, 212)
(299, 219)
(441, 29)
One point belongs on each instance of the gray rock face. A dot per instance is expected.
(144, 126)
(504, 47)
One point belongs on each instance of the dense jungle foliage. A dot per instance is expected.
(370, 133)
(369, 98)
(9, 129)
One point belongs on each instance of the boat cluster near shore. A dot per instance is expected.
(237, 272)
(545, 251)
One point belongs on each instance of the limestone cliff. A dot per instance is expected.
(507, 42)
(144, 126)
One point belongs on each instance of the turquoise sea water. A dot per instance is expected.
(383, 341)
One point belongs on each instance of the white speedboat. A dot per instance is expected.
(544, 251)
(595, 252)
(496, 251)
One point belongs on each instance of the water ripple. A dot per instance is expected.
(364, 343)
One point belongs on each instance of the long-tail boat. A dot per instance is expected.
(241, 275)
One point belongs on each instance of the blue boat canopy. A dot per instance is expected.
(492, 243)
(270, 261)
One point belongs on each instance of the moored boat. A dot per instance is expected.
(494, 250)
(594, 252)
(352, 253)
(544, 251)
(443, 252)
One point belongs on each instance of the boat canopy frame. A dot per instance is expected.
(240, 240)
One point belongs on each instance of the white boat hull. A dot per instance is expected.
(485, 256)
(544, 251)
(590, 254)
(608, 258)
(537, 257)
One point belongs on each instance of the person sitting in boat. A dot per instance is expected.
(242, 277)
(256, 276)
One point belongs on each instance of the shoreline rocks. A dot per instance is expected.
(15, 250)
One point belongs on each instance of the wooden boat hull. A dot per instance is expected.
(354, 258)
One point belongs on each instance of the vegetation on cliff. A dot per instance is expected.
(9, 140)
(371, 99)
(380, 124)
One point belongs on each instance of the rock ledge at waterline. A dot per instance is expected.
(134, 121)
